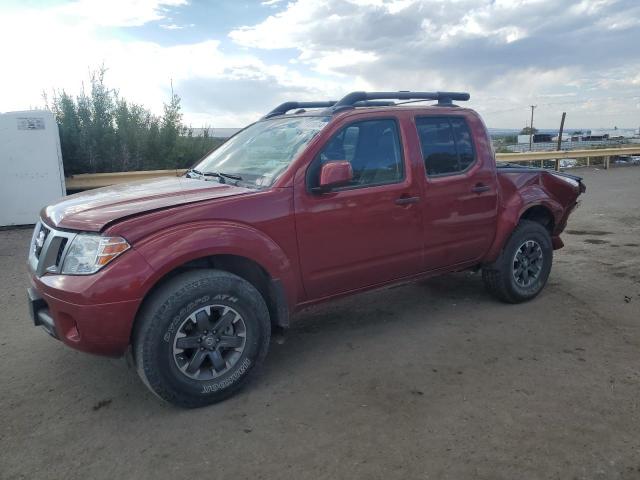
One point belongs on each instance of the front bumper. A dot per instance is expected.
(40, 312)
(103, 329)
(92, 313)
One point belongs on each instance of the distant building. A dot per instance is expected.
(542, 137)
(537, 138)
(571, 139)
(595, 138)
(611, 133)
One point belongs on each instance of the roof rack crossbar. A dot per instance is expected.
(286, 106)
(443, 98)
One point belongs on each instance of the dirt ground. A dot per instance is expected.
(434, 380)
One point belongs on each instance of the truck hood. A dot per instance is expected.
(94, 209)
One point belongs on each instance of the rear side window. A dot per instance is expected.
(446, 145)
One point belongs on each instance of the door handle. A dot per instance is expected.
(407, 200)
(480, 187)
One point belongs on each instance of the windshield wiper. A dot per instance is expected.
(231, 176)
(221, 175)
(197, 172)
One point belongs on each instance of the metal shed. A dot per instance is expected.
(31, 162)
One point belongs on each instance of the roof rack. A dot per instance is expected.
(443, 98)
(369, 99)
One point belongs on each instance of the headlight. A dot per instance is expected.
(89, 253)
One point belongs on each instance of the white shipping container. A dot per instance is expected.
(32, 175)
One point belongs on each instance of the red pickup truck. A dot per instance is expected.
(316, 200)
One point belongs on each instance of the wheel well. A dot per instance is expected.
(541, 215)
(271, 290)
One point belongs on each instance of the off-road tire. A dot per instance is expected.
(498, 277)
(164, 312)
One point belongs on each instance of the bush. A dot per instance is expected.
(102, 132)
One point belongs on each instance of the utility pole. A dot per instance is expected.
(564, 114)
(531, 127)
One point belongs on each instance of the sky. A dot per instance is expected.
(231, 61)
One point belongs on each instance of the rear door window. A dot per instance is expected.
(446, 145)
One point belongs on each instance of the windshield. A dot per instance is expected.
(259, 154)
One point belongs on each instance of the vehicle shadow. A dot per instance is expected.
(379, 313)
(316, 333)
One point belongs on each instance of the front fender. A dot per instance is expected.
(173, 247)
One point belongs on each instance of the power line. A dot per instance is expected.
(575, 102)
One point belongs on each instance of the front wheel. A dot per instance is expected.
(200, 336)
(522, 270)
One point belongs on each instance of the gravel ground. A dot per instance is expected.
(433, 380)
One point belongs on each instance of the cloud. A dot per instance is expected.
(575, 55)
(505, 52)
(173, 26)
(247, 97)
(218, 88)
(116, 13)
(64, 42)
(55, 54)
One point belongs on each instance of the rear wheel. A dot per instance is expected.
(200, 337)
(522, 270)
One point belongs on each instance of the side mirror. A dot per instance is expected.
(335, 174)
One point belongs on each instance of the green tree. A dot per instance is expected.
(170, 130)
(153, 146)
(86, 143)
(103, 132)
(66, 114)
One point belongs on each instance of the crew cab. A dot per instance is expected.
(315, 201)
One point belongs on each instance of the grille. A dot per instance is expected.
(48, 249)
(40, 240)
(63, 244)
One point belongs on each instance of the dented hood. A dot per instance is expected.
(93, 209)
